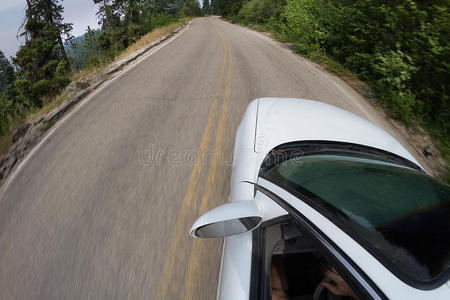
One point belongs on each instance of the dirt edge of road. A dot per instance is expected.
(26, 137)
(427, 153)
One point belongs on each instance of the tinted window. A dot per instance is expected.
(400, 215)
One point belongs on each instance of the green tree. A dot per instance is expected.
(91, 48)
(214, 6)
(307, 21)
(205, 7)
(104, 12)
(229, 7)
(191, 8)
(50, 13)
(90, 42)
(7, 92)
(43, 30)
(261, 11)
(43, 52)
(7, 76)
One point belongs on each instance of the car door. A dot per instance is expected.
(299, 242)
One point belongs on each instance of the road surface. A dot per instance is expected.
(102, 208)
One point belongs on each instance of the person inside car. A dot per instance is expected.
(332, 282)
(341, 288)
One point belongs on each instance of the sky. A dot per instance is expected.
(12, 12)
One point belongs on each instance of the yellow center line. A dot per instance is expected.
(198, 250)
(176, 244)
(218, 155)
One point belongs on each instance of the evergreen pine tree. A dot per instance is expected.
(214, 6)
(105, 13)
(6, 72)
(205, 7)
(42, 60)
(91, 48)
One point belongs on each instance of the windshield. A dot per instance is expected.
(400, 215)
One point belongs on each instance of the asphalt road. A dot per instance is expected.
(102, 208)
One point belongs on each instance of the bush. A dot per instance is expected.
(400, 103)
(40, 88)
(93, 61)
(392, 70)
(62, 74)
(266, 13)
(256, 12)
(26, 96)
(191, 8)
(160, 20)
(5, 114)
(306, 22)
(400, 48)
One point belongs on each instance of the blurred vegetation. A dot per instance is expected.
(50, 56)
(400, 48)
(84, 51)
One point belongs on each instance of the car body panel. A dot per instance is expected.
(244, 157)
(234, 280)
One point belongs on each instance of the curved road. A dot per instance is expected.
(102, 208)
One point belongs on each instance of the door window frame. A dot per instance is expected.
(358, 281)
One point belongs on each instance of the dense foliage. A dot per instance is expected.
(84, 51)
(401, 48)
(125, 21)
(206, 8)
(42, 66)
(7, 92)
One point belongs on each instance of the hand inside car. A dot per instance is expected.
(279, 282)
(341, 288)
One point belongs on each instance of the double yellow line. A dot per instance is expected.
(177, 248)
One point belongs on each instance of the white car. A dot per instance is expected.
(315, 187)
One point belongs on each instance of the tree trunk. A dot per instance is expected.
(29, 15)
(61, 44)
(105, 5)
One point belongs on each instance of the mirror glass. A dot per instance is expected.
(228, 227)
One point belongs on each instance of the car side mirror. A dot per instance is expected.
(228, 219)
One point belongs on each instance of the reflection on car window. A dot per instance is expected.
(400, 215)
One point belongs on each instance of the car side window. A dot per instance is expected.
(287, 264)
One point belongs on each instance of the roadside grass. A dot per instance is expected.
(51, 103)
(152, 36)
(82, 75)
(5, 142)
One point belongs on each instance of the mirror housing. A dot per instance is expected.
(228, 219)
